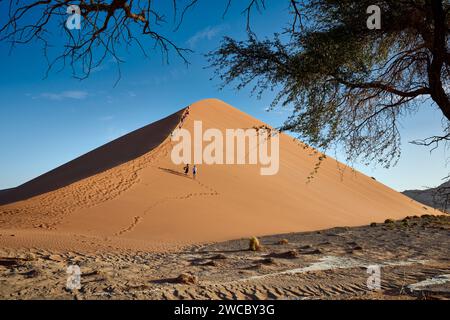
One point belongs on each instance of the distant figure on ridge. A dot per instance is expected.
(194, 171)
(186, 169)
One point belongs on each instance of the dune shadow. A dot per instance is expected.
(174, 172)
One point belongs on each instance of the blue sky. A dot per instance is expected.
(47, 122)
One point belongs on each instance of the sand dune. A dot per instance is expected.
(129, 194)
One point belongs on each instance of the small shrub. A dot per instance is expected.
(29, 256)
(283, 242)
(373, 224)
(291, 254)
(185, 278)
(388, 221)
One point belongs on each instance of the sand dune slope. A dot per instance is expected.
(141, 199)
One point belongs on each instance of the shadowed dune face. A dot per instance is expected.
(110, 155)
(149, 203)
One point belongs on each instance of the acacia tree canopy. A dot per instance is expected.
(106, 27)
(350, 85)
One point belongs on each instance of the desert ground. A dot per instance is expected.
(133, 222)
(413, 255)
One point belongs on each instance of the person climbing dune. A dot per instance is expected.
(194, 171)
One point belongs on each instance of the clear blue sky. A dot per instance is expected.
(47, 122)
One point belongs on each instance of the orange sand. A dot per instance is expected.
(129, 194)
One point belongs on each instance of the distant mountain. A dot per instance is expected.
(438, 197)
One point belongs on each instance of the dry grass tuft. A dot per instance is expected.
(254, 244)
(186, 278)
